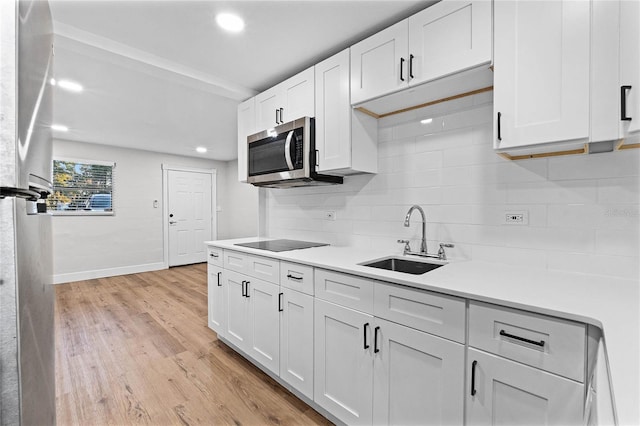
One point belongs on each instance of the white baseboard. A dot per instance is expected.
(111, 272)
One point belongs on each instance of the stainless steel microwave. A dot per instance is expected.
(285, 156)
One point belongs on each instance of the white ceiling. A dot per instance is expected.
(161, 76)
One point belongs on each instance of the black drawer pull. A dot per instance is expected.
(242, 286)
(473, 377)
(401, 69)
(366, 345)
(522, 339)
(375, 340)
(280, 302)
(247, 291)
(294, 277)
(214, 255)
(499, 132)
(623, 103)
(219, 284)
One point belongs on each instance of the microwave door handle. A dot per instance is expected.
(287, 150)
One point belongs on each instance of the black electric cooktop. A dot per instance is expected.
(281, 245)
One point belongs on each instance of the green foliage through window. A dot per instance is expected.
(81, 187)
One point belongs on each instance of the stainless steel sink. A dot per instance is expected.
(397, 264)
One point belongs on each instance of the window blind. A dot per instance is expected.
(82, 187)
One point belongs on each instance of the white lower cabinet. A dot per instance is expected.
(253, 319)
(373, 371)
(264, 320)
(418, 378)
(296, 340)
(216, 301)
(238, 310)
(376, 353)
(504, 392)
(343, 378)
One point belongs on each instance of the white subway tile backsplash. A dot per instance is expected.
(583, 210)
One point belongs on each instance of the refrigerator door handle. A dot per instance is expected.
(29, 194)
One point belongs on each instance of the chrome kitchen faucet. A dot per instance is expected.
(423, 245)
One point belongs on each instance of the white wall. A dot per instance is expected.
(583, 210)
(132, 239)
(241, 207)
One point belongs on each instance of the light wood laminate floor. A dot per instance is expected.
(136, 349)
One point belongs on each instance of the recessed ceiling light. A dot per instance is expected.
(201, 149)
(59, 128)
(230, 22)
(69, 85)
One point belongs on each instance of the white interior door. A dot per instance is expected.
(189, 216)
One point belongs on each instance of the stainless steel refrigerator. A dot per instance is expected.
(27, 377)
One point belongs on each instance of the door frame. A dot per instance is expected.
(165, 204)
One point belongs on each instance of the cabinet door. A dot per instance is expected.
(448, 37)
(296, 340)
(541, 78)
(379, 64)
(333, 113)
(630, 64)
(298, 96)
(343, 381)
(268, 104)
(264, 323)
(238, 310)
(418, 377)
(217, 314)
(509, 393)
(246, 127)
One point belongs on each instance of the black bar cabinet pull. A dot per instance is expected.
(280, 302)
(277, 121)
(623, 103)
(473, 377)
(375, 340)
(219, 285)
(281, 115)
(294, 277)
(522, 339)
(411, 66)
(243, 283)
(499, 133)
(247, 287)
(401, 69)
(214, 255)
(366, 345)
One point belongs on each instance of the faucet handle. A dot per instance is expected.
(407, 247)
(442, 255)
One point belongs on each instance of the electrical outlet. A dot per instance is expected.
(519, 217)
(329, 215)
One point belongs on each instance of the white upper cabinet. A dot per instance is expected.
(446, 38)
(346, 140)
(630, 67)
(289, 100)
(246, 127)
(541, 81)
(380, 63)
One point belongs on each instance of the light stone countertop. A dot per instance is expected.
(611, 304)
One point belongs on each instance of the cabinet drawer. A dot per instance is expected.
(426, 311)
(297, 277)
(346, 290)
(265, 268)
(215, 256)
(548, 343)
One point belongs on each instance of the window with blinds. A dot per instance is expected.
(82, 187)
